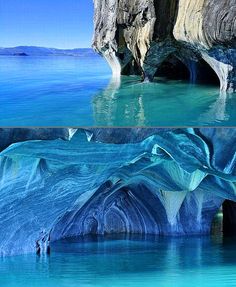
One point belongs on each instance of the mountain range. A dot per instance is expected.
(42, 51)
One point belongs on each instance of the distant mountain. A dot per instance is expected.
(41, 51)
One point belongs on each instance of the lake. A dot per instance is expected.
(135, 261)
(80, 91)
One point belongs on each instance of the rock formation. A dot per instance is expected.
(105, 181)
(168, 37)
(10, 135)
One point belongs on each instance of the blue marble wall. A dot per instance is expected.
(102, 181)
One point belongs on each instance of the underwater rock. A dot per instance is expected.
(158, 181)
(138, 37)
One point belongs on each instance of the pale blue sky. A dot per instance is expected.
(46, 23)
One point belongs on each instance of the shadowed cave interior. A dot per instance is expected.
(172, 68)
(195, 72)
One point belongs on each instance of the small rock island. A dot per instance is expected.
(20, 54)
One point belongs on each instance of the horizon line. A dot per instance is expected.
(35, 46)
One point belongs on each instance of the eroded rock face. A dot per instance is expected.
(209, 28)
(104, 181)
(137, 37)
(9, 136)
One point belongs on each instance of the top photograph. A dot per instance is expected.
(117, 63)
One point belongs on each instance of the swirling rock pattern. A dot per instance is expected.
(104, 181)
(138, 36)
(10, 136)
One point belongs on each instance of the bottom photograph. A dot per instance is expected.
(117, 207)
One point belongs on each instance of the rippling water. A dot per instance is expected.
(75, 91)
(193, 261)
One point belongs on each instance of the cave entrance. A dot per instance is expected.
(132, 68)
(199, 72)
(224, 221)
(205, 74)
(229, 218)
(173, 69)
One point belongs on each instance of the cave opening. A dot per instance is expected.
(224, 222)
(198, 72)
(205, 74)
(229, 218)
(173, 69)
(131, 68)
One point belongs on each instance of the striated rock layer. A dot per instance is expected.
(105, 181)
(168, 37)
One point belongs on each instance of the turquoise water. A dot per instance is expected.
(180, 262)
(79, 91)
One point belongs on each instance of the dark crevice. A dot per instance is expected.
(165, 11)
(206, 75)
(132, 68)
(173, 69)
(229, 218)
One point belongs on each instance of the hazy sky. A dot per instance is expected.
(47, 23)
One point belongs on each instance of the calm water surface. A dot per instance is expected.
(79, 91)
(181, 262)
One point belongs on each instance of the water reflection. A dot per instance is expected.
(158, 253)
(127, 102)
(126, 261)
(217, 111)
(74, 91)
